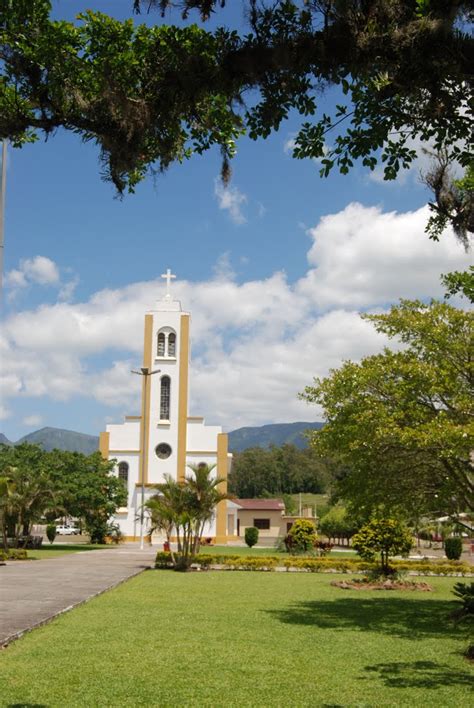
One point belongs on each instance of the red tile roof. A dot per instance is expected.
(267, 504)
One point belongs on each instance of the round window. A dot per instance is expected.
(163, 451)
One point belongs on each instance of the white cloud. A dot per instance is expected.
(255, 344)
(32, 420)
(39, 270)
(363, 257)
(230, 199)
(4, 413)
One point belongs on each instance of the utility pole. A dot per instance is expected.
(146, 373)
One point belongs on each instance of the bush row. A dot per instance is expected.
(14, 554)
(315, 565)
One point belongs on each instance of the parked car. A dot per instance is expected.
(67, 530)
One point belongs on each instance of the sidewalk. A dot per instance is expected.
(33, 592)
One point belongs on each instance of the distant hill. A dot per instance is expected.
(262, 436)
(51, 438)
(266, 435)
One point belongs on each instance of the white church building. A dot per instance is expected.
(164, 438)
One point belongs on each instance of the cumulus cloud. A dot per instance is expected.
(231, 199)
(39, 270)
(363, 256)
(255, 344)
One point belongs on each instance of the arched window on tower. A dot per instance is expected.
(161, 344)
(165, 398)
(171, 344)
(123, 474)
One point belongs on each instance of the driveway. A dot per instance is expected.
(33, 592)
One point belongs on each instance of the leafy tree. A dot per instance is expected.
(402, 421)
(302, 536)
(151, 96)
(388, 537)
(7, 488)
(258, 472)
(30, 490)
(460, 283)
(85, 489)
(337, 523)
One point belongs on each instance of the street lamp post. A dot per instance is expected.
(146, 373)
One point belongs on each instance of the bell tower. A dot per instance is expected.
(164, 409)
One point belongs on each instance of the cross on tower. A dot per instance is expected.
(168, 276)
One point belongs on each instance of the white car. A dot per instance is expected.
(67, 530)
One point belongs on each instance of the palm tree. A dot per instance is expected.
(186, 508)
(208, 494)
(7, 488)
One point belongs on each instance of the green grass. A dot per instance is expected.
(316, 501)
(59, 549)
(243, 639)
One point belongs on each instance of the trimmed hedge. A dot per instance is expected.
(317, 565)
(14, 554)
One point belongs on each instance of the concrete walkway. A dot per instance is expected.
(33, 592)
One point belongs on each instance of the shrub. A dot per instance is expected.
(251, 536)
(51, 532)
(453, 548)
(465, 593)
(14, 554)
(301, 537)
(388, 537)
(114, 534)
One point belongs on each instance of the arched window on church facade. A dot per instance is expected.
(165, 398)
(123, 474)
(171, 344)
(166, 343)
(161, 344)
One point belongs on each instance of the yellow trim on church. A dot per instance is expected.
(183, 396)
(104, 442)
(144, 437)
(221, 512)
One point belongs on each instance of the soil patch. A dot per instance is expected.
(363, 584)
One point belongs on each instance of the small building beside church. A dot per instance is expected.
(164, 438)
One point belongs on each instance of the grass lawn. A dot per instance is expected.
(318, 502)
(58, 549)
(243, 639)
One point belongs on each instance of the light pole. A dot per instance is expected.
(146, 373)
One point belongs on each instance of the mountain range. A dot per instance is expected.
(240, 439)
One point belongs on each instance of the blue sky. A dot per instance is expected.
(274, 271)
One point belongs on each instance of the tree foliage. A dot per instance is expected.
(388, 537)
(258, 472)
(403, 420)
(184, 509)
(153, 95)
(301, 538)
(57, 483)
(337, 524)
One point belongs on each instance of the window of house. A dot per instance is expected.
(263, 524)
(165, 398)
(161, 344)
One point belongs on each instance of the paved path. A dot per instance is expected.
(32, 592)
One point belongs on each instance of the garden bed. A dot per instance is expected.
(315, 565)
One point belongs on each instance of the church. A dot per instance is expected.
(164, 438)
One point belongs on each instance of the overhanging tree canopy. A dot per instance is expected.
(150, 96)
